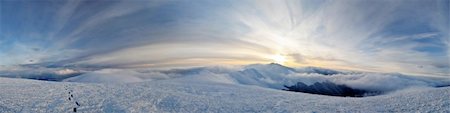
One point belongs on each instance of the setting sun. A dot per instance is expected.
(280, 59)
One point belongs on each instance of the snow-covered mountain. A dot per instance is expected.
(106, 76)
(272, 75)
(251, 88)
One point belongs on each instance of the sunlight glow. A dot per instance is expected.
(280, 59)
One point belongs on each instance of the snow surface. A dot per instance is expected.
(253, 88)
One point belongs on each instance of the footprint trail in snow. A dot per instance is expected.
(71, 99)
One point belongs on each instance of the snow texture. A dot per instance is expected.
(253, 88)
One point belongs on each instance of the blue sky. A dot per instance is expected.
(409, 36)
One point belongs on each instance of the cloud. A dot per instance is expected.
(382, 36)
(272, 76)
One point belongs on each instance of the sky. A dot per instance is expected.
(404, 36)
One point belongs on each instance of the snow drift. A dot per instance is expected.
(181, 95)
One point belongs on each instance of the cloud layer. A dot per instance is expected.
(382, 36)
(266, 75)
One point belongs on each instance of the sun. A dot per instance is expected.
(280, 59)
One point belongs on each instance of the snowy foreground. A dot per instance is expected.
(213, 92)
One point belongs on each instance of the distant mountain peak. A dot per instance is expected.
(278, 67)
(272, 68)
(277, 64)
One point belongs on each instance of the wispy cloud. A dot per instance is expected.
(388, 36)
